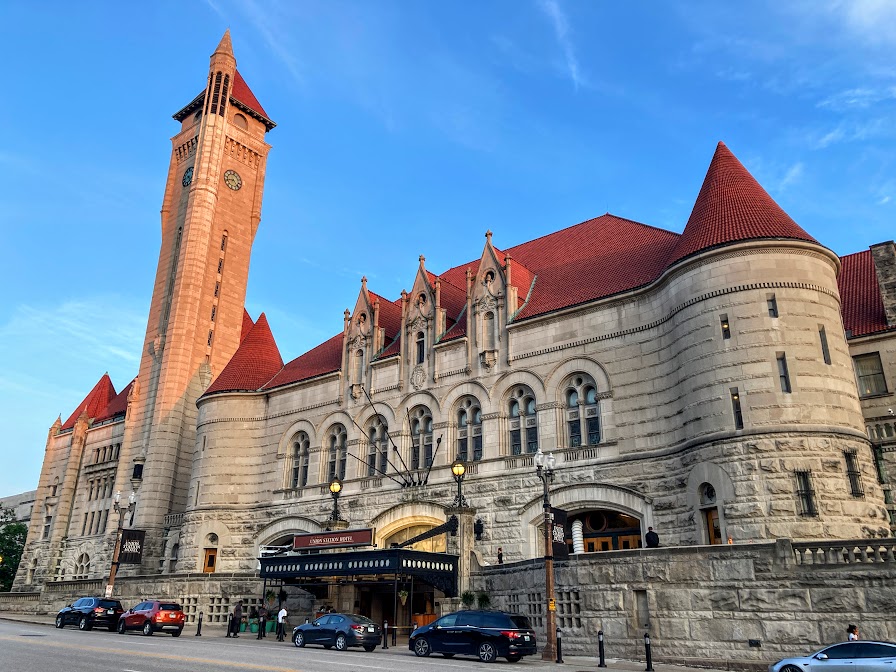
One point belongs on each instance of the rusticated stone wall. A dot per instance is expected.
(706, 603)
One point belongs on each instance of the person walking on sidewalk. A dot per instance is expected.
(237, 618)
(262, 620)
(281, 623)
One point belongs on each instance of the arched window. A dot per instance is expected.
(82, 567)
(175, 552)
(421, 346)
(377, 446)
(301, 449)
(469, 430)
(488, 325)
(240, 121)
(582, 411)
(336, 439)
(421, 438)
(523, 420)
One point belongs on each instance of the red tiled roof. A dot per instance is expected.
(118, 405)
(254, 363)
(94, 403)
(730, 207)
(861, 304)
(246, 326)
(325, 358)
(243, 94)
(393, 349)
(390, 314)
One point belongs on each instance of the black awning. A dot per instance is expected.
(437, 569)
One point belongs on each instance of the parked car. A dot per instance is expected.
(87, 612)
(486, 634)
(858, 656)
(153, 616)
(339, 630)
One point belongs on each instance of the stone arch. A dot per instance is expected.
(335, 417)
(206, 528)
(423, 398)
(379, 408)
(405, 515)
(283, 526)
(472, 388)
(574, 498)
(505, 383)
(284, 447)
(570, 366)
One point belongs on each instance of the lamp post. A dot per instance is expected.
(122, 511)
(335, 489)
(544, 468)
(459, 469)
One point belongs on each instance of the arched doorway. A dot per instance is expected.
(602, 530)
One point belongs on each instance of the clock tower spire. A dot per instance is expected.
(210, 214)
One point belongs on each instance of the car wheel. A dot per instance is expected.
(176, 633)
(513, 659)
(448, 655)
(84, 624)
(60, 623)
(341, 642)
(298, 639)
(147, 628)
(121, 627)
(487, 653)
(422, 647)
(369, 647)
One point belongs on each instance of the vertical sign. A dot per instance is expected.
(131, 551)
(561, 550)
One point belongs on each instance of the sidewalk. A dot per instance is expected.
(572, 663)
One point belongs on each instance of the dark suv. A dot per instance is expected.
(486, 634)
(88, 612)
(153, 616)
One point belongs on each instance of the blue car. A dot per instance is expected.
(857, 656)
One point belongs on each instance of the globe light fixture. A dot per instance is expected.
(459, 469)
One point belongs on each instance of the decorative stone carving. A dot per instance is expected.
(488, 359)
(418, 377)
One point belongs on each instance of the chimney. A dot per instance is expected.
(884, 256)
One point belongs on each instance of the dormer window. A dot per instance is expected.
(421, 346)
(240, 121)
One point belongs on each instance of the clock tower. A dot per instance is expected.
(210, 213)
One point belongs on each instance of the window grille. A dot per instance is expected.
(805, 493)
(854, 474)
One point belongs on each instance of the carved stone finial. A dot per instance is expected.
(488, 235)
(364, 281)
(422, 260)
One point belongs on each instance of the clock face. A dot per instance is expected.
(233, 180)
(188, 177)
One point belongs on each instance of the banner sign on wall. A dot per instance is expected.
(131, 551)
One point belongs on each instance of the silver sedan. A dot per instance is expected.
(859, 656)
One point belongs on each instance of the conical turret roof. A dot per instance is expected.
(733, 207)
(225, 46)
(254, 363)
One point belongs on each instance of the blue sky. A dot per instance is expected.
(405, 128)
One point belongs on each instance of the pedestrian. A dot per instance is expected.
(852, 632)
(281, 623)
(237, 618)
(262, 621)
(652, 538)
(500, 555)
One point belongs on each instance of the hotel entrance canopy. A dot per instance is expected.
(437, 569)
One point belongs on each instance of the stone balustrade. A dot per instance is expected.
(174, 520)
(845, 552)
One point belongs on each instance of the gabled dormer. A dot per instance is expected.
(363, 339)
(423, 319)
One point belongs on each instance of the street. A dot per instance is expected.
(32, 646)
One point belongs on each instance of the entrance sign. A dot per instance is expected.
(131, 552)
(336, 539)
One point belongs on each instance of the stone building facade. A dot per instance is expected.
(717, 385)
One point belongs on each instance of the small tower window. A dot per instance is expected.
(853, 473)
(726, 327)
(736, 408)
(783, 374)
(240, 121)
(772, 303)
(421, 346)
(823, 337)
(214, 312)
(805, 493)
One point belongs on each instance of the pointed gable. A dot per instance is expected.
(118, 406)
(254, 363)
(861, 304)
(732, 207)
(325, 358)
(94, 403)
(246, 326)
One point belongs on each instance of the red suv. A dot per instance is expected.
(153, 616)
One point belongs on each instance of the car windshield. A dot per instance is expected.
(110, 604)
(522, 622)
(169, 606)
(362, 619)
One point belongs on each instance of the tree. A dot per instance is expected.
(12, 543)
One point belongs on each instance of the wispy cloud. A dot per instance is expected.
(561, 30)
(264, 19)
(862, 97)
(793, 175)
(884, 200)
(874, 21)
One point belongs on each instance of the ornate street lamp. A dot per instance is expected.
(335, 489)
(122, 511)
(459, 469)
(544, 468)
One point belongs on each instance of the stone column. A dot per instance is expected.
(462, 544)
